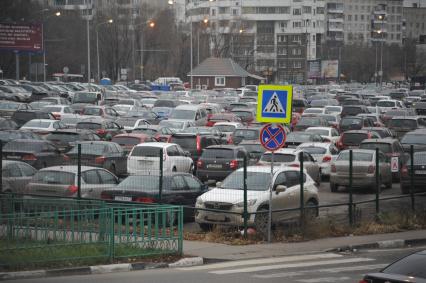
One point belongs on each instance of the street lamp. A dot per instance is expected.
(57, 14)
(110, 21)
(150, 24)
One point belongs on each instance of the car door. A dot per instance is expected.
(27, 172)
(91, 188)
(12, 178)
(385, 168)
(284, 200)
(310, 165)
(181, 160)
(107, 181)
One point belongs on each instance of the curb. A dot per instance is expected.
(99, 269)
(390, 244)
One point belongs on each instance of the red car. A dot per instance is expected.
(161, 134)
(222, 117)
(352, 139)
(128, 141)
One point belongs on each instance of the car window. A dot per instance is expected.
(292, 178)
(178, 183)
(106, 177)
(241, 154)
(307, 157)
(12, 171)
(172, 151)
(91, 177)
(27, 170)
(192, 183)
(281, 179)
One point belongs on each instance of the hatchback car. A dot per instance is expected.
(419, 173)
(67, 139)
(195, 143)
(228, 196)
(323, 153)
(61, 181)
(401, 125)
(128, 141)
(105, 129)
(352, 139)
(16, 175)
(363, 172)
(43, 126)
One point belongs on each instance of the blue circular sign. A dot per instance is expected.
(272, 137)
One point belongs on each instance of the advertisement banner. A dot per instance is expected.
(330, 69)
(314, 69)
(21, 37)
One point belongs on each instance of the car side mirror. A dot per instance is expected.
(280, 189)
(187, 153)
(219, 184)
(204, 187)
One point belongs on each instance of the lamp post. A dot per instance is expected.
(151, 24)
(110, 21)
(57, 14)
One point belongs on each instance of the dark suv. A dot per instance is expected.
(22, 116)
(217, 162)
(354, 123)
(403, 124)
(194, 143)
(353, 110)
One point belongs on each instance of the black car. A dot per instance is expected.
(408, 269)
(16, 175)
(107, 155)
(241, 134)
(194, 143)
(217, 162)
(415, 138)
(177, 189)
(353, 110)
(354, 123)
(419, 167)
(66, 139)
(37, 153)
(23, 116)
(10, 135)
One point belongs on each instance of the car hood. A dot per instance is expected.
(230, 196)
(395, 277)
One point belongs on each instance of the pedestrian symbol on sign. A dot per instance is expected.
(274, 105)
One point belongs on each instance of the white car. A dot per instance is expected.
(131, 123)
(59, 111)
(333, 110)
(145, 159)
(313, 111)
(123, 109)
(176, 125)
(229, 196)
(327, 133)
(43, 126)
(386, 105)
(324, 154)
(227, 128)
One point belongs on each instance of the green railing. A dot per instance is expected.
(36, 231)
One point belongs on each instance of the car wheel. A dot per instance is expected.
(261, 221)
(206, 227)
(334, 187)
(174, 169)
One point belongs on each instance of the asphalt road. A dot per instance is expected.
(307, 268)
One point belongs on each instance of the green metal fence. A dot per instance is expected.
(48, 230)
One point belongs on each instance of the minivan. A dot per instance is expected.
(195, 113)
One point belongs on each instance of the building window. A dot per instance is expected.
(297, 11)
(213, 12)
(307, 10)
(282, 51)
(282, 64)
(297, 38)
(297, 24)
(282, 38)
(219, 81)
(297, 64)
(234, 12)
(349, 17)
(296, 51)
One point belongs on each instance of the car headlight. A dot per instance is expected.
(199, 202)
(250, 202)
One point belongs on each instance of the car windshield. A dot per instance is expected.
(386, 103)
(357, 156)
(87, 125)
(225, 128)
(351, 121)
(91, 148)
(319, 132)
(218, 153)
(414, 139)
(126, 140)
(85, 97)
(278, 157)
(37, 124)
(92, 111)
(146, 151)
(354, 138)
(182, 114)
(412, 265)
(256, 181)
(247, 134)
(54, 177)
(383, 147)
(314, 150)
(150, 183)
(408, 124)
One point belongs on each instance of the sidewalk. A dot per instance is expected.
(227, 252)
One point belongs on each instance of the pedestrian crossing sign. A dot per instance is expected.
(274, 104)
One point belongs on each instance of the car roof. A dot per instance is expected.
(319, 128)
(189, 107)
(43, 120)
(225, 146)
(267, 169)
(359, 150)
(156, 144)
(227, 124)
(357, 131)
(387, 140)
(315, 144)
(69, 168)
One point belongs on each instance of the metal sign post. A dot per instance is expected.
(272, 137)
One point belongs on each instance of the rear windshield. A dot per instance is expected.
(186, 142)
(146, 151)
(414, 139)
(354, 138)
(219, 153)
(247, 134)
(314, 150)
(403, 123)
(383, 147)
(90, 126)
(225, 128)
(164, 103)
(278, 157)
(92, 111)
(254, 148)
(352, 110)
(126, 140)
(298, 103)
(309, 122)
(319, 132)
(37, 124)
(386, 104)
(92, 149)
(351, 121)
(54, 177)
(357, 156)
(330, 109)
(298, 137)
(67, 137)
(126, 122)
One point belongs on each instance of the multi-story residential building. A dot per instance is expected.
(273, 38)
(415, 20)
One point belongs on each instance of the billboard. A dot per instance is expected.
(21, 37)
(314, 69)
(330, 69)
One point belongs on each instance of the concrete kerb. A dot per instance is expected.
(389, 244)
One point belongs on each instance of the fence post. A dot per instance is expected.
(1, 166)
(245, 216)
(160, 181)
(350, 188)
(413, 203)
(79, 170)
(377, 182)
(180, 230)
(302, 196)
(111, 213)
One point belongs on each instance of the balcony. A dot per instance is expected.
(335, 11)
(335, 20)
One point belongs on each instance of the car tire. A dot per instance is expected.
(334, 187)
(261, 221)
(174, 169)
(206, 227)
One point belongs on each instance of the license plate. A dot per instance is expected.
(215, 166)
(13, 157)
(119, 198)
(420, 172)
(216, 217)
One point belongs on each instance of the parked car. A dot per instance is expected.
(162, 134)
(105, 129)
(68, 138)
(291, 157)
(194, 143)
(386, 105)
(400, 125)
(354, 123)
(352, 139)
(246, 115)
(23, 116)
(406, 269)
(43, 126)
(15, 176)
(7, 124)
(313, 111)
(61, 181)
(417, 139)
(222, 117)
(58, 111)
(363, 170)
(310, 121)
(131, 123)
(100, 111)
(418, 171)
(247, 133)
(7, 108)
(333, 110)
(294, 139)
(194, 113)
(107, 155)
(218, 161)
(353, 110)
(254, 149)
(37, 153)
(176, 125)
(229, 196)
(128, 141)
(145, 158)
(388, 115)
(227, 128)
(327, 133)
(10, 135)
(381, 131)
(323, 153)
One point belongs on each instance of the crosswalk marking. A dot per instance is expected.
(325, 270)
(325, 279)
(262, 261)
(291, 265)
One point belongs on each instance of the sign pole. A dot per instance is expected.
(270, 199)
